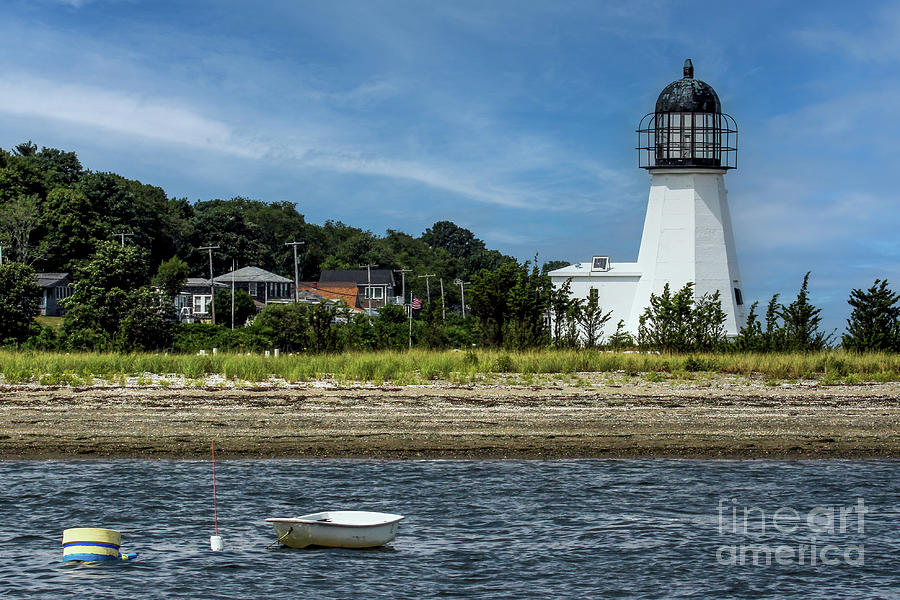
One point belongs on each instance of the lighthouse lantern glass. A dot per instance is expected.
(688, 129)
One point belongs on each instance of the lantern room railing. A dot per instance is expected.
(687, 139)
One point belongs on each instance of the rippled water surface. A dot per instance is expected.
(474, 529)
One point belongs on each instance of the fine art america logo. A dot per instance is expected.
(824, 535)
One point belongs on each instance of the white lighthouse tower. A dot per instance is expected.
(687, 144)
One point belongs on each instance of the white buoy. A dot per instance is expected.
(215, 541)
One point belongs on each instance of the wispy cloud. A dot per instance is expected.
(123, 113)
(184, 123)
(879, 42)
(415, 171)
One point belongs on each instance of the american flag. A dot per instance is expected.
(416, 304)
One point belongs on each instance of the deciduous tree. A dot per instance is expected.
(171, 276)
(19, 302)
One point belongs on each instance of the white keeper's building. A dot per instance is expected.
(687, 144)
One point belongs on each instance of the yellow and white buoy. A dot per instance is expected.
(93, 544)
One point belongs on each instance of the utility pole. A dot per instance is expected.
(232, 294)
(123, 235)
(212, 290)
(403, 273)
(296, 273)
(369, 285)
(443, 306)
(427, 286)
(462, 292)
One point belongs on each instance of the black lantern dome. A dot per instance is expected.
(688, 128)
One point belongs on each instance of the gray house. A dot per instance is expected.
(54, 287)
(194, 300)
(263, 286)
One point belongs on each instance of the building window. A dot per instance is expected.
(738, 297)
(375, 293)
(593, 294)
(62, 292)
(201, 303)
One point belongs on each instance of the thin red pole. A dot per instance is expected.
(215, 508)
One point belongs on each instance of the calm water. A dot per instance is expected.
(474, 529)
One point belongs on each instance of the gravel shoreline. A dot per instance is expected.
(715, 418)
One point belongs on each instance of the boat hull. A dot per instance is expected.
(337, 529)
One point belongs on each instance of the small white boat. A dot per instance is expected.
(337, 529)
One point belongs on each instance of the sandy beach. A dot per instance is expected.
(720, 419)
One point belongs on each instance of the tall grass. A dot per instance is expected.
(422, 366)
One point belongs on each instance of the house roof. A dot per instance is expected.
(200, 282)
(251, 274)
(52, 279)
(309, 296)
(584, 270)
(346, 291)
(358, 276)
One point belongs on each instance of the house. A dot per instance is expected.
(193, 302)
(263, 286)
(374, 288)
(54, 287)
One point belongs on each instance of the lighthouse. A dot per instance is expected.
(687, 144)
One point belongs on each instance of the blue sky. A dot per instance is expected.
(514, 119)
